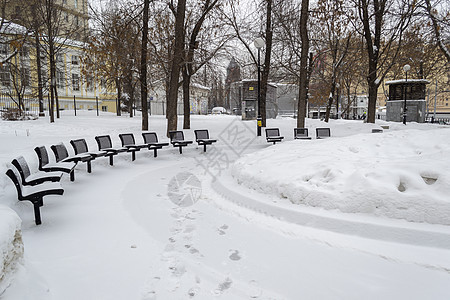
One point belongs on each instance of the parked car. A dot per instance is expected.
(219, 111)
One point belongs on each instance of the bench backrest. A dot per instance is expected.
(42, 156)
(60, 151)
(176, 136)
(300, 132)
(127, 139)
(11, 174)
(323, 132)
(201, 134)
(21, 165)
(271, 132)
(79, 146)
(150, 137)
(103, 142)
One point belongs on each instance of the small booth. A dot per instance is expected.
(407, 97)
(244, 94)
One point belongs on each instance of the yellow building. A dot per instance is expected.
(19, 75)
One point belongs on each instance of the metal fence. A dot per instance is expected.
(28, 103)
(443, 121)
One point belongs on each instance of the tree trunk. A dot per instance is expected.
(143, 79)
(186, 99)
(266, 67)
(330, 101)
(177, 62)
(119, 95)
(303, 79)
(39, 75)
(57, 101)
(52, 88)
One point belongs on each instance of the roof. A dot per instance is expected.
(409, 80)
(256, 80)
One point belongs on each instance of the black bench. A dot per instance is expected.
(46, 166)
(151, 140)
(301, 134)
(202, 138)
(273, 135)
(128, 142)
(177, 140)
(104, 144)
(36, 178)
(34, 194)
(80, 147)
(62, 155)
(322, 133)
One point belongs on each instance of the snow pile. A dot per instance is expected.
(400, 174)
(11, 246)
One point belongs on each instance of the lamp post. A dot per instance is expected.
(259, 43)
(406, 68)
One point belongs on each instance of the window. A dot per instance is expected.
(60, 79)
(24, 52)
(75, 82)
(59, 58)
(25, 76)
(44, 78)
(103, 83)
(3, 48)
(89, 83)
(75, 60)
(104, 108)
(4, 75)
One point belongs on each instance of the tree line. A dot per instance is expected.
(326, 48)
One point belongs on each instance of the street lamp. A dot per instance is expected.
(406, 68)
(259, 43)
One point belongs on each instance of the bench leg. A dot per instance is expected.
(37, 212)
(155, 152)
(89, 168)
(72, 175)
(181, 149)
(204, 147)
(111, 160)
(133, 155)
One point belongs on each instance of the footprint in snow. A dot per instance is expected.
(235, 255)
(223, 286)
(222, 229)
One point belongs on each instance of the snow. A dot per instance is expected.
(255, 228)
(402, 174)
(11, 246)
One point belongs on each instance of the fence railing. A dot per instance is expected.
(27, 103)
(444, 121)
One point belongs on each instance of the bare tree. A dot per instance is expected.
(143, 70)
(440, 23)
(176, 64)
(303, 80)
(190, 66)
(383, 23)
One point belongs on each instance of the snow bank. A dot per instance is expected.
(11, 246)
(401, 174)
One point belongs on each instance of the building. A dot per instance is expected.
(407, 99)
(199, 98)
(19, 75)
(244, 96)
(71, 17)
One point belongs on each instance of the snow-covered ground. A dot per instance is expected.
(359, 215)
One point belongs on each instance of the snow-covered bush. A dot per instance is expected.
(11, 245)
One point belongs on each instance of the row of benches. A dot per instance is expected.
(273, 134)
(34, 187)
